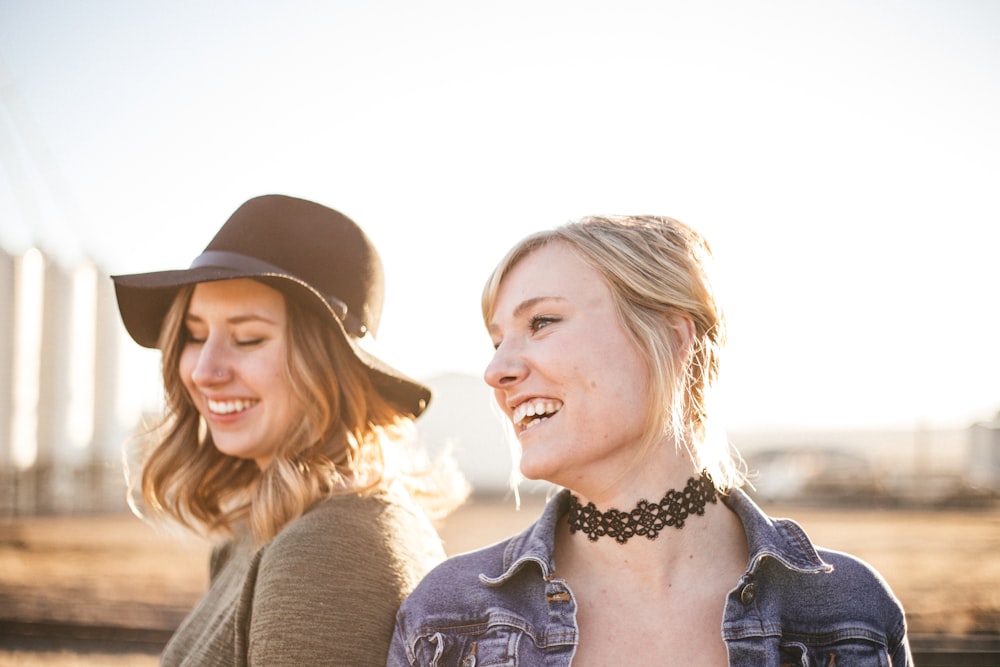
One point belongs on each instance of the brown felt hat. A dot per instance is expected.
(307, 251)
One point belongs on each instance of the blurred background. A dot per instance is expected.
(842, 158)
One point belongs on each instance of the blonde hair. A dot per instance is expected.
(342, 445)
(658, 271)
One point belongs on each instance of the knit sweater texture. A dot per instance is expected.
(324, 591)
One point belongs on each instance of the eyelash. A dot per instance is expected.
(193, 340)
(535, 324)
(539, 322)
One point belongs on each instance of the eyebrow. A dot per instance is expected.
(236, 319)
(526, 305)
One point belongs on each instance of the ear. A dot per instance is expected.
(684, 332)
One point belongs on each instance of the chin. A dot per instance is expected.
(234, 452)
(536, 470)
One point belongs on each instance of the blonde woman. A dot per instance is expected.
(284, 440)
(608, 337)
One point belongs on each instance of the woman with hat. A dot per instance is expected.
(285, 441)
(607, 336)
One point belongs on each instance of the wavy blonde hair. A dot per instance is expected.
(658, 270)
(350, 440)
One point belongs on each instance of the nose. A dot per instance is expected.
(212, 364)
(507, 367)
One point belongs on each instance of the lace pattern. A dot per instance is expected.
(647, 519)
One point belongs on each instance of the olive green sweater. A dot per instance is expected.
(324, 591)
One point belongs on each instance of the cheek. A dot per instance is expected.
(272, 371)
(498, 398)
(185, 368)
(269, 376)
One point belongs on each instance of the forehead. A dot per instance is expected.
(554, 270)
(241, 293)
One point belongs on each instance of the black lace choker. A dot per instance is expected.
(647, 518)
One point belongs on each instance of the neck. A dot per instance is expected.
(653, 563)
(618, 484)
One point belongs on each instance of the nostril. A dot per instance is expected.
(504, 370)
(498, 379)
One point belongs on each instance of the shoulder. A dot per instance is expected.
(454, 582)
(380, 527)
(801, 579)
(331, 581)
(369, 548)
(482, 602)
(850, 590)
(526, 555)
(488, 561)
(856, 576)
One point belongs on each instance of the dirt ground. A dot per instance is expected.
(118, 573)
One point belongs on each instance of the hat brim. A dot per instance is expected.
(145, 298)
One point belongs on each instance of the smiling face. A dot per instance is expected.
(565, 371)
(232, 366)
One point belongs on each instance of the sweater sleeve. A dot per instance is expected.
(328, 587)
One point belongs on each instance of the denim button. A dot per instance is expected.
(748, 594)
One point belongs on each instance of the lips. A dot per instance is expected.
(533, 412)
(230, 407)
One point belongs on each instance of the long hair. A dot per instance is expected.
(658, 271)
(350, 440)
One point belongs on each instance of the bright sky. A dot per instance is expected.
(843, 159)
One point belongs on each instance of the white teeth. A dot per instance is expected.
(229, 407)
(530, 413)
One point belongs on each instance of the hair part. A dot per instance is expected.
(659, 273)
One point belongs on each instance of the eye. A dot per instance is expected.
(250, 342)
(539, 322)
(191, 339)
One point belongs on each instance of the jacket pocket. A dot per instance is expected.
(469, 646)
(844, 653)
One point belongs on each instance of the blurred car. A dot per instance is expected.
(814, 474)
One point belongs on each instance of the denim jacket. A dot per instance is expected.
(794, 604)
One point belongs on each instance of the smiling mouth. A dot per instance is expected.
(230, 407)
(532, 413)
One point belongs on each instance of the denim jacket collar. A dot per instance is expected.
(780, 539)
(535, 544)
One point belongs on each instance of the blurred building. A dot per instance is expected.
(983, 461)
(61, 427)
